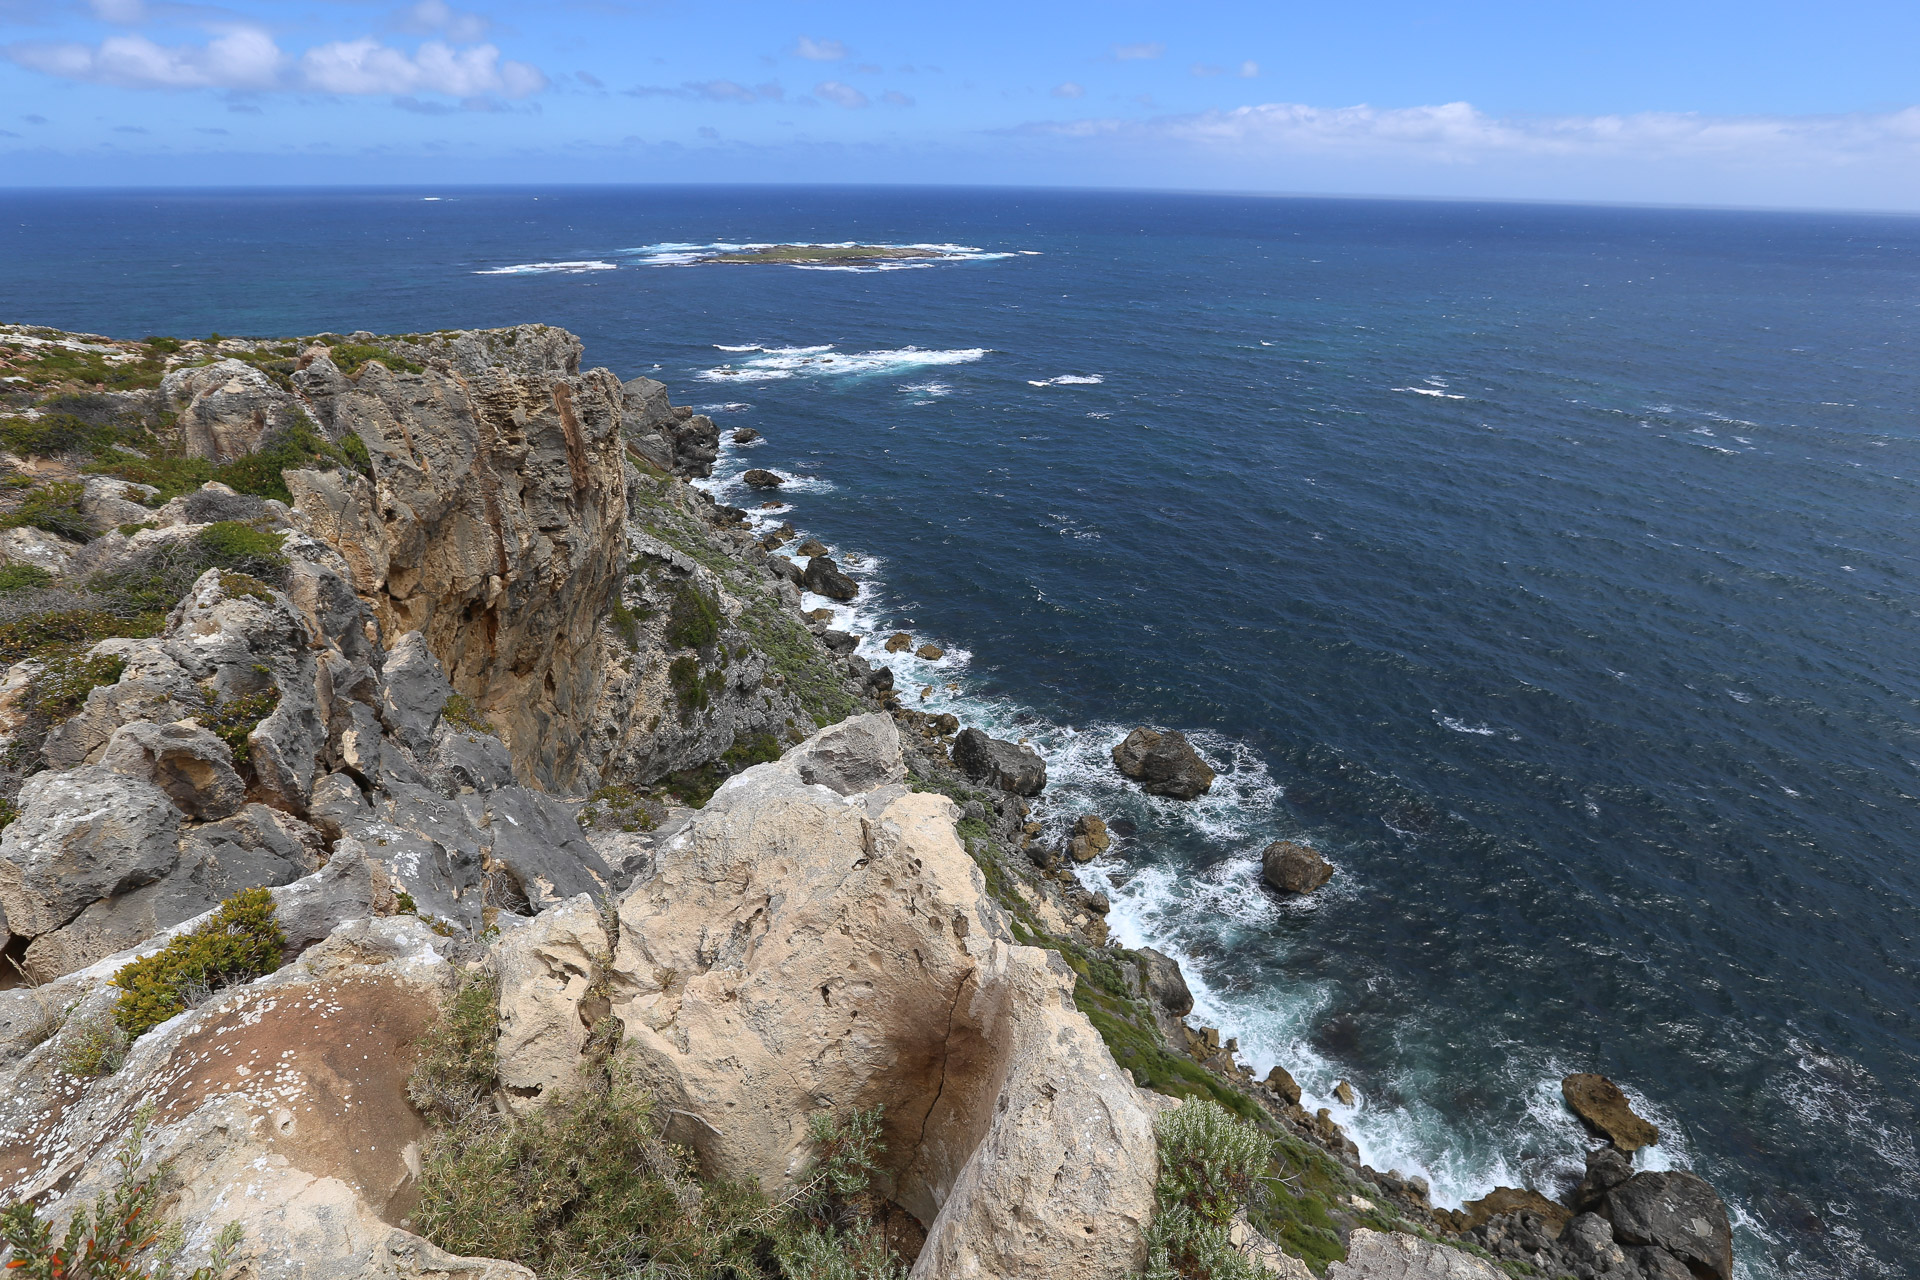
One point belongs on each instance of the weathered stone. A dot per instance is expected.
(1373, 1255)
(1280, 1082)
(745, 435)
(1604, 1109)
(110, 503)
(1506, 1200)
(1006, 765)
(781, 567)
(413, 691)
(193, 767)
(838, 641)
(853, 756)
(81, 836)
(1607, 1168)
(761, 478)
(1294, 868)
(899, 642)
(930, 653)
(1093, 829)
(226, 408)
(1677, 1212)
(547, 969)
(37, 548)
(823, 577)
(1164, 764)
(1162, 982)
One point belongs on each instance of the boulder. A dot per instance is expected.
(798, 949)
(1161, 981)
(110, 503)
(1587, 1242)
(1294, 868)
(193, 767)
(1089, 839)
(37, 548)
(81, 836)
(761, 478)
(1343, 1093)
(810, 548)
(781, 567)
(745, 435)
(1505, 1200)
(838, 641)
(1375, 1255)
(1281, 1084)
(823, 577)
(1604, 1109)
(930, 653)
(1677, 1212)
(1607, 1168)
(856, 755)
(413, 690)
(1164, 764)
(1006, 765)
(227, 408)
(899, 642)
(547, 969)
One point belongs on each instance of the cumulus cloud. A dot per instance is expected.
(1069, 90)
(437, 17)
(1249, 69)
(366, 66)
(820, 50)
(1138, 52)
(1457, 133)
(840, 95)
(246, 59)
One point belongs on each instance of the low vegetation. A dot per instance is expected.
(241, 942)
(1211, 1163)
(122, 1236)
(583, 1186)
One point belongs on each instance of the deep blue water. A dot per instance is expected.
(1552, 569)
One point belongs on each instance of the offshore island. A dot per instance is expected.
(440, 840)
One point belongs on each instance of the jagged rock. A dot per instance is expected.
(930, 653)
(745, 435)
(1605, 1110)
(226, 408)
(110, 503)
(823, 577)
(879, 681)
(1343, 1093)
(1510, 1200)
(1607, 1168)
(853, 756)
(1587, 1242)
(899, 642)
(37, 548)
(1294, 868)
(81, 836)
(1164, 764)
(1373, 1255)
(306, 1140)
(838, 641)
(537, 842)
(781, 567)
(790, 949)
(1281, 1084)
(547, 970)
(1162, 982)
(1677, 1212)
(413, 691)
(1006, 765)
(761, 478)
(193, 767)
(1089, 839)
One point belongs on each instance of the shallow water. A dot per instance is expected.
(1551, 569)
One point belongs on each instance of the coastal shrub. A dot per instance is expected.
(625, 623)
(241, 942)
(62, 686)
(693, 621)
(53, 435)
(54, 508)
(95, 1047)
(49, 634)
(462, 714)
(299, 447)
(169, 472)
(160, 577)
(808, 672)
(689, 691)
(1210, 1166)
(582, 1185)
(22, 577)
(620, 807)
(123, 1226)
(233, 720)
(348, 357)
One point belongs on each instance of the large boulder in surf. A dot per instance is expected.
(1006, 765)
(1294, 868)
(1605, 1110)
(823, 577)
(761, 478)
(1164, 764)
(1677, 1212)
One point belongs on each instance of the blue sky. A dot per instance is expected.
(1755, 103)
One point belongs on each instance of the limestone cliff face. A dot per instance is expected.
(492, 523)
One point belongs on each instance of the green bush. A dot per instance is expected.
(159, 578)
(61, 688)
(55, 508)
(693, 621)
(462, 714)
(46, 635)
(108, 1242)
(458, 1059)
(234, 720)
(1210, 1165)
(683, 674)
(295, 448)
(240, 943)
(96, 1047)
(171, 474)
(350, 356)
(22, 577)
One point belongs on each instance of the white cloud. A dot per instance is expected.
(1249, 69)
(1138, 52)
(1458, 134)
(425, 17)
(246, 58)
(1069, 90)
(841, 95)
(1205, 69)
(820, 50)
(895, 98)
(366, 66)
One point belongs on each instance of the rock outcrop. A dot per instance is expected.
(1164, 764)
(1006, 765)
(1294, 868)
(1605, 1110)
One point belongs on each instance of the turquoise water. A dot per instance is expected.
(1552, 569)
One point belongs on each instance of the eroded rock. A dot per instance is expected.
(1604, 1109)
(1294, 868)
(1164, 764)
(1006, 765)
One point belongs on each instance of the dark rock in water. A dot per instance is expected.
(1502, 1201)
(1607, 1168)
(1677, 1212)
(838, 641)
(759, 478)
(944, 723)
(930, 653)
(1006, 765)
(810, 548)
(1280, 1082)
(781, 567)
(1164, 764)
(880, 681)
(1090, 838)
(772, 506)
(726, 515)
(1605, 1110)
(1099, 904)
(745, 435)
(1162, 982)
(1294, 868)
(824, 578)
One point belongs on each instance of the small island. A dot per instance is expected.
(837, 254)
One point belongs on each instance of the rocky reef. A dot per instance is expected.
(439, 841)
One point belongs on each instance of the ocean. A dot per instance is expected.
(1553, 570)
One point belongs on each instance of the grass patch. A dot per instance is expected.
(351, 357)
(240, 943)
(96, 1047)
(812, 676)
(156, 580)
(22, 577)
(51, 367)
(62, 686)
(299, 447)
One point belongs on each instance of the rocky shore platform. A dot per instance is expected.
(436, 839)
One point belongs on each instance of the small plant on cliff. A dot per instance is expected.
(458, 1061)
(23, 577)
(233, 720)
(54, 508)
(693, 621)
(462, 714)
(95, 1047)
(240, 943)
(1210, 1167)
(108, 1241)
(349, 357)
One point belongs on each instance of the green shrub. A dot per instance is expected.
(693, 621)
(618, 806)
(625, 623)
(55, 508)
(683, 674)
(163, 346)
(234, 720)
(22, 577)
(96, 1047)
(1210, 1165)
(240, 943)
(61, 688)
(159, 578)
(8, 812)
(172, 475)
(108, 1242)
(350, 356)
(458, 1056)
(45, 635)
(53, 435)
(462, 714)
(299, 447)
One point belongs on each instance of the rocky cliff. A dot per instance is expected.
(432, 829)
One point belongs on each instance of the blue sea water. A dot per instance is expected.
(1554, 570)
